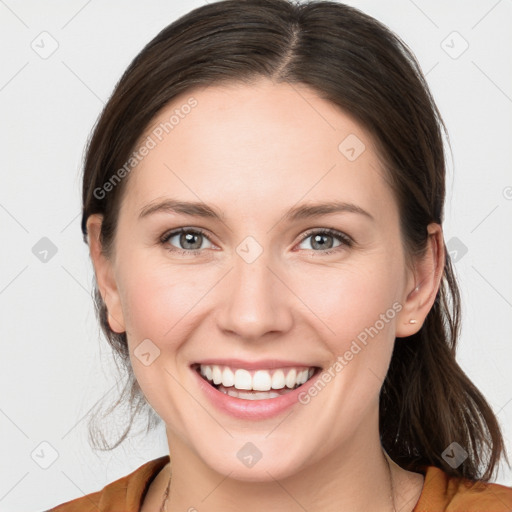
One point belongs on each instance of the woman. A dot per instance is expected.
(263, 201)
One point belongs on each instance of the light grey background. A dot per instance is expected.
(54, 365)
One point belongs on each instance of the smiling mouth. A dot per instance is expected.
(258, 384)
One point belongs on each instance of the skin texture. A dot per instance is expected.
(253, 152)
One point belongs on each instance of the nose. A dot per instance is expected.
(255, 300)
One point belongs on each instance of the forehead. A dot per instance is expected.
(263, 143)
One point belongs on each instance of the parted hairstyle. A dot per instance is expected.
(357, 63)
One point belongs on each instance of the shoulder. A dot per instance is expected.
(123, 494)
(444, 493)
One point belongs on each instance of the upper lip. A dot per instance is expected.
(254, 365)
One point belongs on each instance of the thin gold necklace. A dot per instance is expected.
(163, 508)
(391, 483)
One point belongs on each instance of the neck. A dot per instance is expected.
(340, 482)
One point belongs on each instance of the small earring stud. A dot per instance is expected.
(412, 321)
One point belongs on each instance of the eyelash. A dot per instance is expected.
(345, 240)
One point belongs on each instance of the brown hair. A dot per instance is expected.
(357, 63)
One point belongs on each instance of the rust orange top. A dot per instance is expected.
(441, 493)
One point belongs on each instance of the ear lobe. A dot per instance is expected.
(423, 284)
(104, 272)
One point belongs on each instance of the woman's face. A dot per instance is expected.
(255, 289)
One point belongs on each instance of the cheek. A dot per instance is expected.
(156, 298)
(158, 306)
(351, 298)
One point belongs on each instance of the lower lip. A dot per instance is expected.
(251, 409)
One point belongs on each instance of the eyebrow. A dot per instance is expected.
(199, 209)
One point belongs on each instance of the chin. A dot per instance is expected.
(258, 461)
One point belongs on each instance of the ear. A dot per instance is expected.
(422, 284)
(105, 277)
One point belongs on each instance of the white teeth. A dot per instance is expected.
(250, 395)
(278, 381)
(259, 380)
(290, 378)
(228, 378)
(262, 381)
(243, 380)
(216, 374)
(302, 376)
